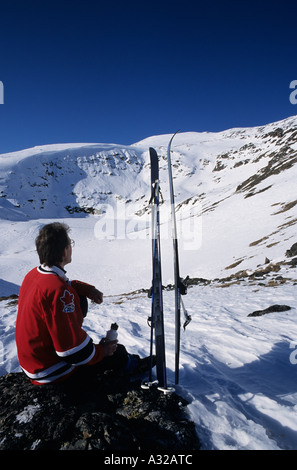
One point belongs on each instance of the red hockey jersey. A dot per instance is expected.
(49, 335)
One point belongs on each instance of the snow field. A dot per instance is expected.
(236, 370)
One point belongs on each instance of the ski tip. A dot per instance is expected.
(176, 133)
(169, 145)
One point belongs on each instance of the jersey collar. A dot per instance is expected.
(53, 270)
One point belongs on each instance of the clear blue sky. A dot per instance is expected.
(121, 71)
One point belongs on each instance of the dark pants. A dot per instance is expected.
(86, 374)
(115, 362)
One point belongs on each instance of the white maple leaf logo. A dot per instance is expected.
(68, 301)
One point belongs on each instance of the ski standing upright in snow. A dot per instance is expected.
(179, 285)
(157, 320)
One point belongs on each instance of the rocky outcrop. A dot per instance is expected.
(111, 413)
(292, 251)
(273, 308)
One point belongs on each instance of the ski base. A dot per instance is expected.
(147, 385)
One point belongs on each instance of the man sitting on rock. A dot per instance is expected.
(51, 343)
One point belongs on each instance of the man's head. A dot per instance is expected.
(54, 245)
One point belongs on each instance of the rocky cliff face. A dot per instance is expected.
(111, 413)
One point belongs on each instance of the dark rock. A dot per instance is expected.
(279, 132)
(292, 251)
(111, 413)
(273, 308)
(293, 262)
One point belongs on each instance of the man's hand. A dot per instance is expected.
(96, 296)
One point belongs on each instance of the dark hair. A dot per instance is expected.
(51, 243)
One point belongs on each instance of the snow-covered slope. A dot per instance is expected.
(236, 208)
(235, 196)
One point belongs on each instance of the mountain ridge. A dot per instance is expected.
(234, 190)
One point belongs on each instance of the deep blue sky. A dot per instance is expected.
(121, 71)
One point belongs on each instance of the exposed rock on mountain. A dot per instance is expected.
(109, 414)
(272, 308)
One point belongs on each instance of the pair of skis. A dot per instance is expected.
(157, 319)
